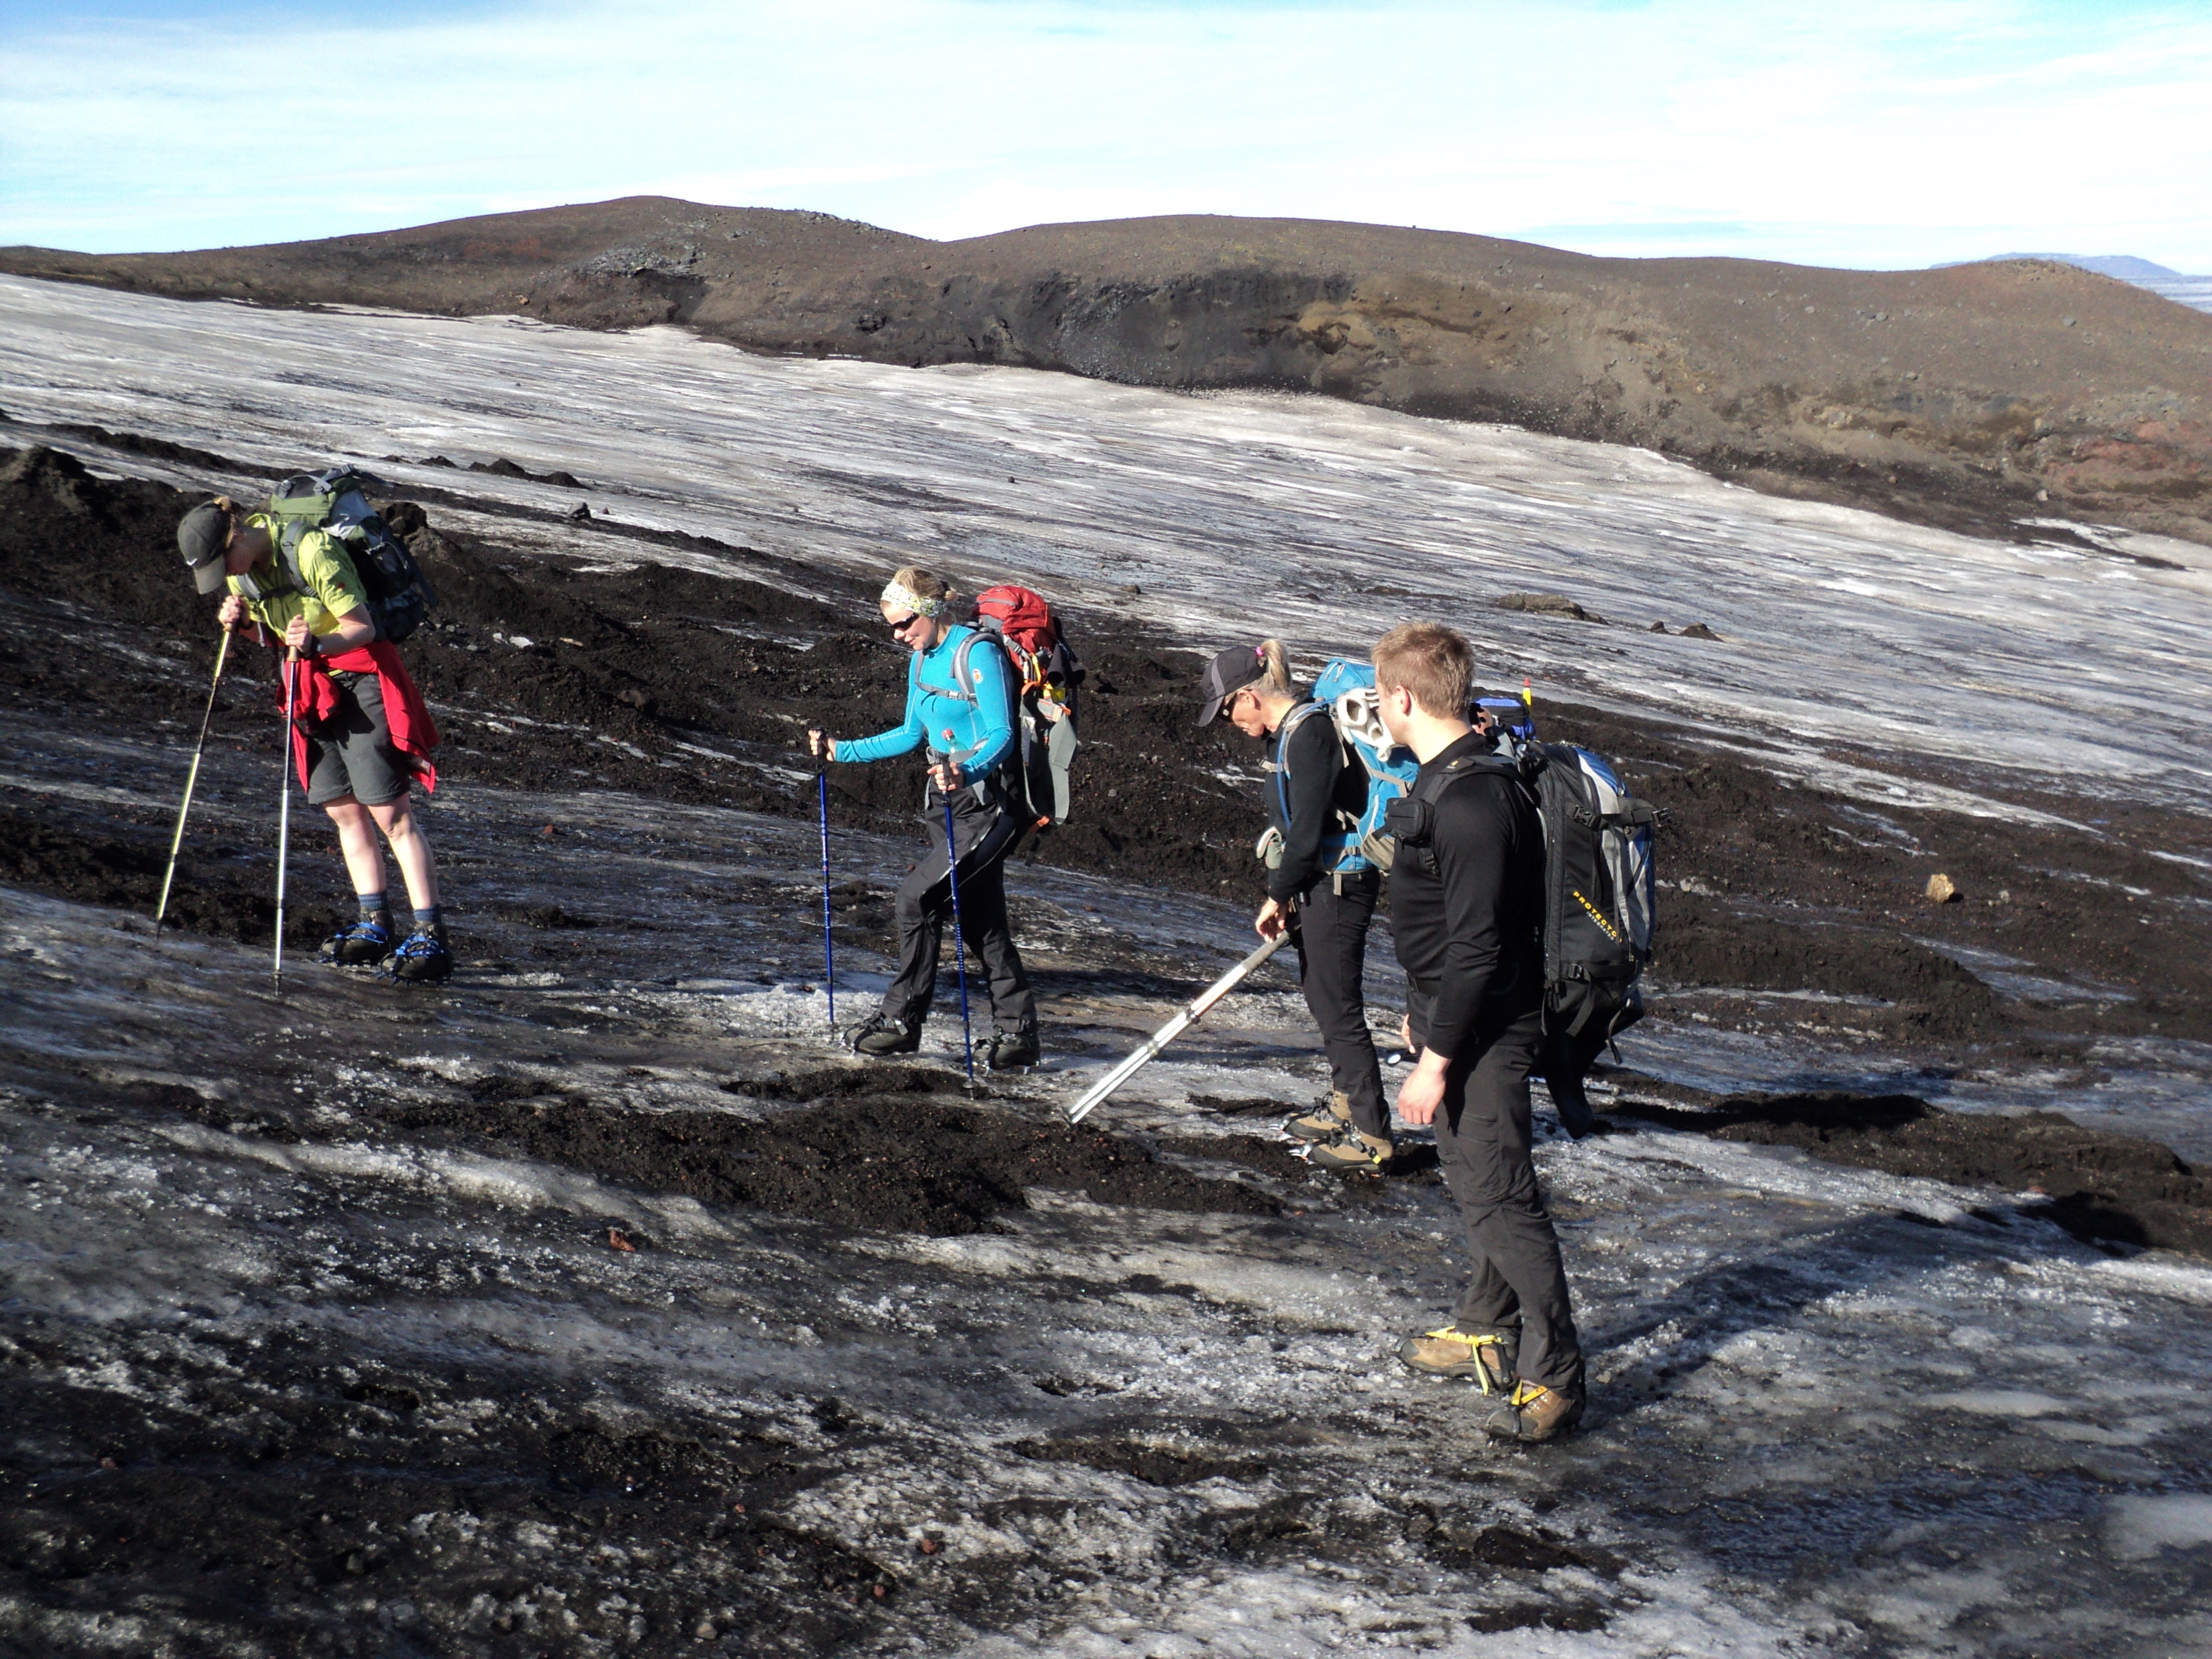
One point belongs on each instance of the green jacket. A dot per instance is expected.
(333, 588)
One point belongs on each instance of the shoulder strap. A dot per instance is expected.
(1281, 764)
(1431, 785)
(1298, 717)
(296, 531)
(963, 686)
(288, 553)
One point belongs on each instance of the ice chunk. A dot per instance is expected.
(2139, 1527)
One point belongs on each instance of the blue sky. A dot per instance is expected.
(1878, 133)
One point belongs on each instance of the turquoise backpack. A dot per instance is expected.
(1345, 692)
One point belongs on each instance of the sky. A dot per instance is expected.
(1875, 134)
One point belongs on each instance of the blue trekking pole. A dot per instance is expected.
(959, 946)
(828, 948)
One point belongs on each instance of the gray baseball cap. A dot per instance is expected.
(1230, 672)
(202, 538)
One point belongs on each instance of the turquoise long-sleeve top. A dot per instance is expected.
(983, 731)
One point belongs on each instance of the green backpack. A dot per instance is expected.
(332, 501)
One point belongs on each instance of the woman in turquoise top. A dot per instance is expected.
(959, 710)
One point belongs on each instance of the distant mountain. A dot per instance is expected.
(2125, 267)
(1970, 397)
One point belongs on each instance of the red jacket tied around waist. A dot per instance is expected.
(414, 733)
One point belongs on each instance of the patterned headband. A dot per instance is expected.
(907, 600)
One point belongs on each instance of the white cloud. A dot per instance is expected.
(1882, 133)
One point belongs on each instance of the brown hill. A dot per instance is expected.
(1973, 395)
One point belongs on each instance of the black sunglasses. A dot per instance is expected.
(905, 622)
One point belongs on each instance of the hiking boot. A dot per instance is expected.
(1327, 1120)
(422, 958)
(1534, 1413)
(877, 1036)
(364, 944)
(1485, 1353)
(1353, 1152)
(1004, 1051)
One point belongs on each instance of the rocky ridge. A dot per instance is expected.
(1976, 397)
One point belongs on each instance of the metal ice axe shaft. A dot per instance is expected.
(1174, 1028)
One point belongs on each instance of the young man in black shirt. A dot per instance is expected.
(1466, 891)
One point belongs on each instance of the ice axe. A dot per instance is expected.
(1168, 1033)
(191, 778)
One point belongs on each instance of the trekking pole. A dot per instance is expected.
(829, 947)
(284, 818)
(959, 946)
(191, 778)
(1174, 1028)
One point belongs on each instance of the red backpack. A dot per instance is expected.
(1020, 614)
(1020, 623)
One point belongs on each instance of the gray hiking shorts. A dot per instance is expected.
(352, 753)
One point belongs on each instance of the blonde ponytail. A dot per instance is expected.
(1276, 675)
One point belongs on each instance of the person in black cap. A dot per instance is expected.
(1329, 910)
(361, 732)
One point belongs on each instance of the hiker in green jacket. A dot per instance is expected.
(359, 735)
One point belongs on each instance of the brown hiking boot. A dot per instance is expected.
(1534, 1413)
(1325, 1122)
(1485, 1352)
(1353, 1152)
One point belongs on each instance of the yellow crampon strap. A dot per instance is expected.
(1596, 916)
(1476, 1345)
(1525, 1394)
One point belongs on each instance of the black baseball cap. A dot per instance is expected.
(1230, 672)
(202, 538)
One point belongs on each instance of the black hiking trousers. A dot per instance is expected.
(1482, 1141)
(985, 832)
(1332, 939)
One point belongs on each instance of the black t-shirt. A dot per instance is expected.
(1466, 911)
(1320, 782)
